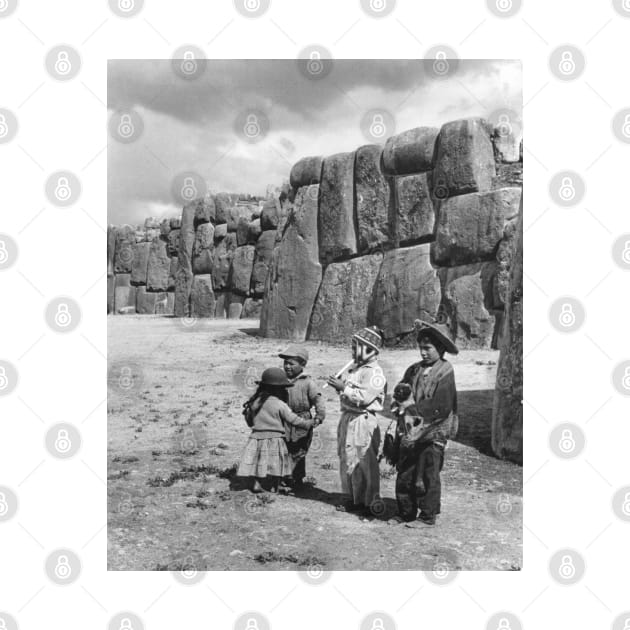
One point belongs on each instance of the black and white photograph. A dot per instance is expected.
(315, 324)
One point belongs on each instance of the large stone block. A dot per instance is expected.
(241, 269)
(165, 228)
(175, 223)
(202, 302)
(295, 272)
(222, 300)
(159, 266)
(173, 242)
(124, 295)
(343, 299)
(151, 223)
(205, 211)
(506, 144)
(407, 288)
(222, 205)
(271, 214)
(145, 301)
(505, 254)
(411, 151)
(140, 263)
(111, 283)
(111, 248)
(253, 231)
(220, 232)
(203, 249)
(164, 304)
(223, 255)
(336, 219)
(306, 172)
(467, 304)
(251, 308)
(151, 233)
(507, 416)
(470, 226)
(242, 229)
(172, 272)
(464, 160)
(373, 198)
(235, 306)
(415, 216)
(235, 214)
(262, 260)
(123, 254)
(184, 275)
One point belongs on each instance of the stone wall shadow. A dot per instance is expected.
(475, 419)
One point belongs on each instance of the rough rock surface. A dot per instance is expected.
(241, 269)
(159, 266)
(222, 301)
(203, 249)
(223, 255)
(415, 216)
(165, 228)
(373, 198)
(466, 304)
(253, 231)
(271, 214)
(505, 253)
(411, 151)
(145, 301)
(507, 417)
(337, 237)
(306, 172)
(235, 306)
(184, 275)
(172, 272)
(220, 232)
(204, 211)
(202, 302)
(222, 205)
(164, 303)
(251, 308)
(262, 260)
(124, 294)
(342, 303)
(464, 160)
(407, 288)
(123, 254)
(140, 263)
(111, 248)
(470, 226)
(173, 242)
(506, 145)
(295, 275)
(242, 230)
(175, 223)
(111, 283)
(237, 213)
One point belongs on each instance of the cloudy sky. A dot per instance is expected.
(196, 124)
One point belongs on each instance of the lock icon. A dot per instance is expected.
(504, 624)
(188, 570)
(377, 128)
(4, 254)
(125, 126)
(126, 5)
(505, 126)
(567, 568)
(567, 441)
(625, 255)
(377, 6)
(626, 625)
(62, 64)
(62, 568)
(252, 5)
(377, 624)
(567, 189)
(4, 381)
(440, 64)
(440, 569)
(567, 316)
(625, 5)
(567, 63)
(125, 380)
(504, 506)
(189, 443)
(4, 5)
(62, 316)
(4, 506)
(62, 443)
(252, 128)
(3, 623)
(125, 624)
(626, 378)
(504, 5)
(315, 65)
(625, 506)
(189, 65)
(4, 128)
(62, 190)
(625, 129)
(189, 190)
(252, 624)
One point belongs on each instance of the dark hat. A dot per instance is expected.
(439, 332)
(295, 352)
(275, 376)
(370, 336)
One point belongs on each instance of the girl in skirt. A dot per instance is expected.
(267, 413)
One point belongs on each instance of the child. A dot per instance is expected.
(267, 412)
(303, 397)
(427, 390)
(358, 435)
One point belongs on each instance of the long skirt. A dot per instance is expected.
(358, 441)
(264, 457)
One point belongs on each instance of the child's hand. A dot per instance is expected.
(335, 382)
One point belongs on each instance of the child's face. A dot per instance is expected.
(293, 367)
(428, 351)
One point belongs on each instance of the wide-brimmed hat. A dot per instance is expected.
(274, 376)
(295, 352)
(439, 332)
(370, 336)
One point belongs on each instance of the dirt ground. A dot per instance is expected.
(175, 433)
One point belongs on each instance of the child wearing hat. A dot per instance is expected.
(267, 413)
(428, 387)
(304, 396)
(361, 395)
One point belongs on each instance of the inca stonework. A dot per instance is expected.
(427, 225)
